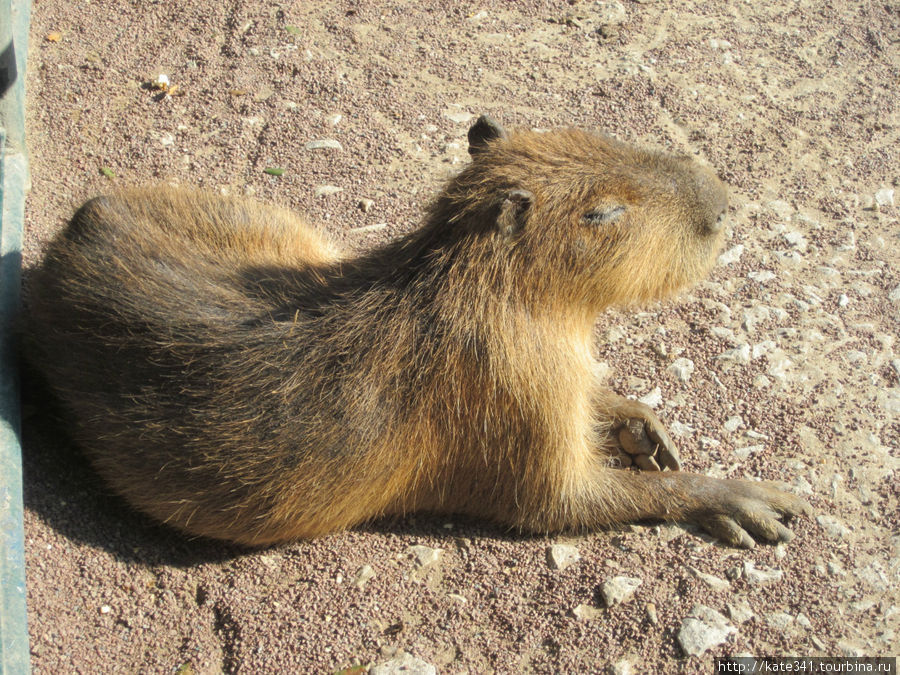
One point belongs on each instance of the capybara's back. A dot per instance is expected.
(228, 371)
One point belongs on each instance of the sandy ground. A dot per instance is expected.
(793, 340)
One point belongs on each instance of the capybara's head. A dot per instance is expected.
(585, 216)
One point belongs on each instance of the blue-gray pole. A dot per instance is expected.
(14, 21)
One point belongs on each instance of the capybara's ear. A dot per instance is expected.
(485, 129)
(513, 210)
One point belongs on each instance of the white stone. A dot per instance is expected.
(779, 367)
(746, 451)
(586, 612)
(653, 398)
(405, 664)
(796, 240)
(732, 255)
(363, 575)
(682, 369)
(733, 423)
(762, 276)
(327, 190)
(781, 208)
(781, 621)
(739, 355)
(460, 117)
(755, 315)
(619, 589)
(756, 576)
(610, 12)
(884, 197)
(561, 556)
(833, 526)
(703, 629)
(624, 667)
(681, 429)
(740, 611)
(763, 347)
(324, 144)
(710, 580)
(425, 556)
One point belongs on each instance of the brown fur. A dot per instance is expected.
(230, 372)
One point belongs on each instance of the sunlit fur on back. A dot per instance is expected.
(228, 371)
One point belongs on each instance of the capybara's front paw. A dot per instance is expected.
(643, 439)
(737, 511)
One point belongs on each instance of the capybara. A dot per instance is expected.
(232, 373)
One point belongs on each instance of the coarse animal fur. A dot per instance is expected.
(230, 372)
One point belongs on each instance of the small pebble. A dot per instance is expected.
(324, 144)
(459, 117)
(652, 616)
(710, 580)
(610, 13)
(366, 205)
(833, 526)
(781, 621)
(755, 315)
(835, 569)
(884, 197)
(703, 629)
(682, 369)
(756, 576)
(405, 664)
(624, 667)
(586, 612)
(619, 589)
(733, 423)
(740, 611)
(796, 240)
(425, 556)
(363, 575)
(739, 355)
(327, 190)
(779, 367)
(732, 255)
(781, 208)
(653, 398)
(762, 277)
(681, 429)
(761, 382)
(561, 556)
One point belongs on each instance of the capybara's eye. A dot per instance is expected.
(603, 215)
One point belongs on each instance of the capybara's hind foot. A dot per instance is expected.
(641, 438)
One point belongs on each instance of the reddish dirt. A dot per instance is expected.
(796, 105)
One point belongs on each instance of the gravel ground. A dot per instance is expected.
(785, 364)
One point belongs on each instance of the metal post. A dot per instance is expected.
(14, 22)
